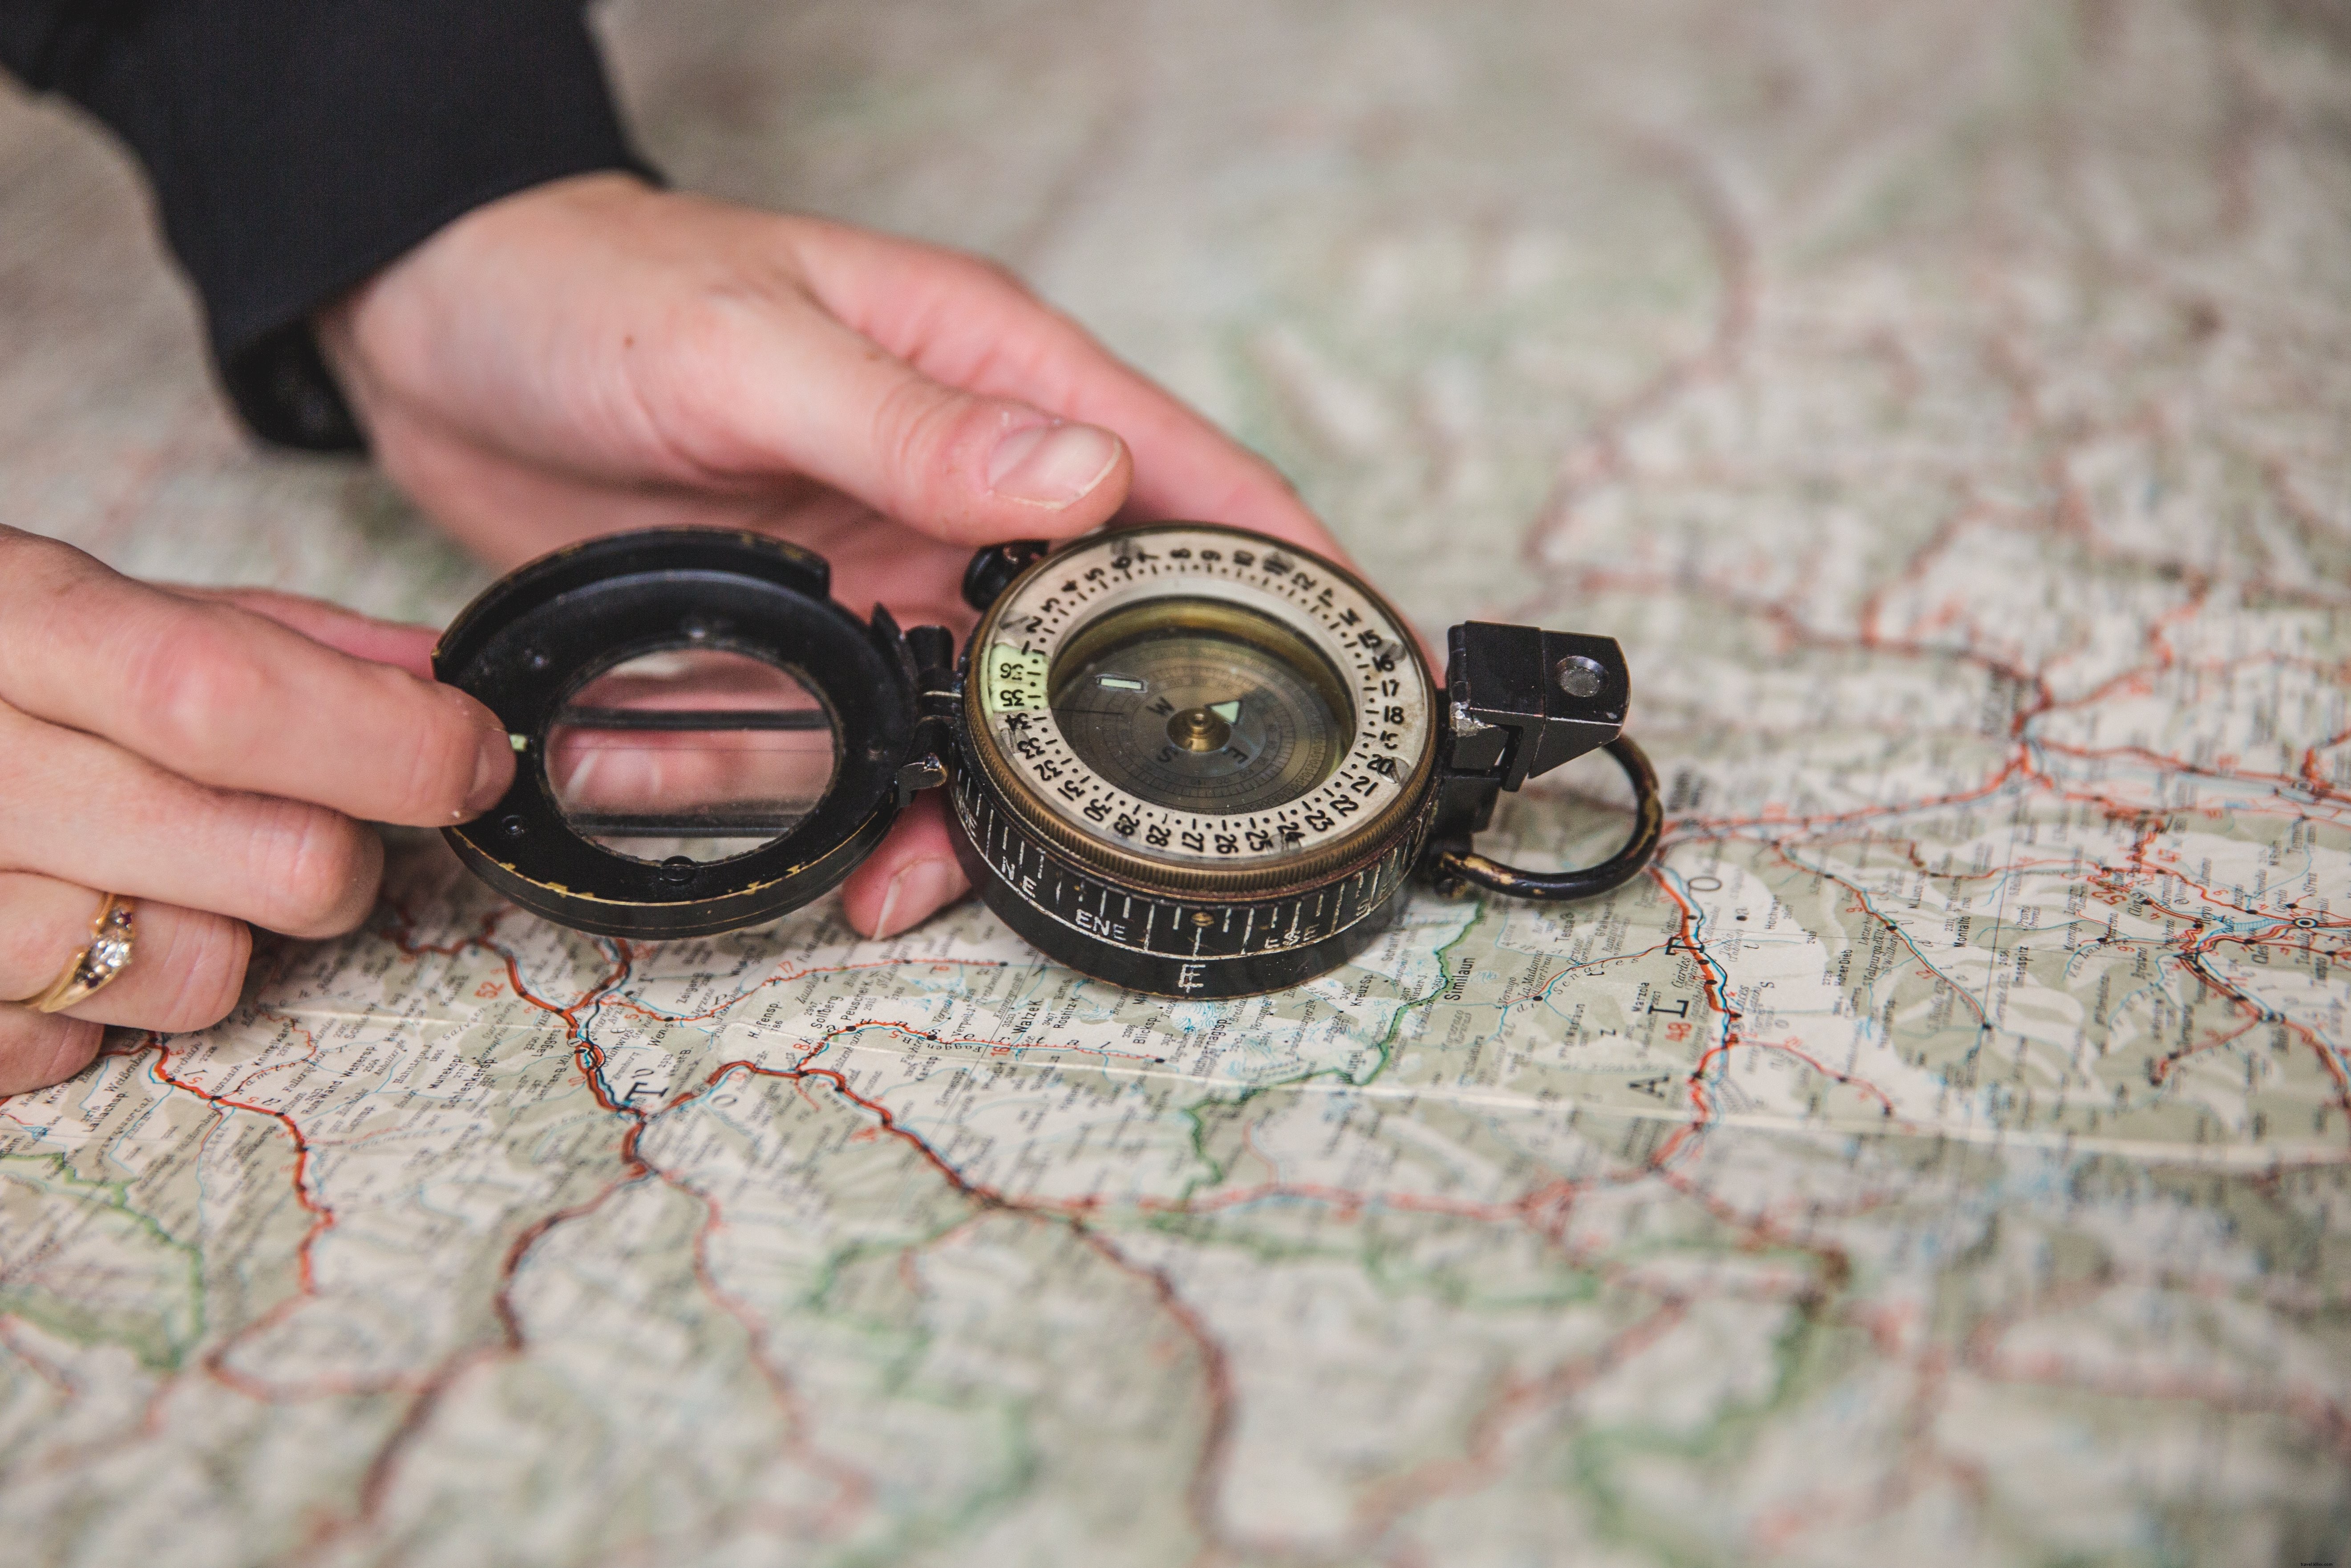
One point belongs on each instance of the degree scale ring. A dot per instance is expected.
(1365, 802)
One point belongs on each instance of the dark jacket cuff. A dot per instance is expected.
(297, 146)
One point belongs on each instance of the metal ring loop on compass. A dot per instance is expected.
(1555, 886)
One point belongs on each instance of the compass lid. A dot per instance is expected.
(547, 648)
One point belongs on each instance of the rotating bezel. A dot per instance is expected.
(1387, 768)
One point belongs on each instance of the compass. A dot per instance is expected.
(1184, 757)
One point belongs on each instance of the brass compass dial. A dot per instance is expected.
(1189, 706)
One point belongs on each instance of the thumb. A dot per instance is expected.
(816, 398)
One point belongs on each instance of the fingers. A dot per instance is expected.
(186, 969)
(235, 699)
(794, 390)
(85, 812)
(649, 340)
(507, 512)
(719, 774)
(967, 323)
(393, 643)
(38, 1049)
(642, 335)
(911, 876)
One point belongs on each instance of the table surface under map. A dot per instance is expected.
(1943, 1158)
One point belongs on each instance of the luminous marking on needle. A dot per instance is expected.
(1120, 684)
(1229, 712)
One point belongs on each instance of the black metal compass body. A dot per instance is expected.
(1182, 757)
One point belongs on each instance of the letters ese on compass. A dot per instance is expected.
(1184, 757)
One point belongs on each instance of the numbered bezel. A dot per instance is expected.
(1364, 802)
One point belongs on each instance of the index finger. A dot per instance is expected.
(229, 698)
(970, 325)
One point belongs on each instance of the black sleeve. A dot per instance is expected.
(296, 146)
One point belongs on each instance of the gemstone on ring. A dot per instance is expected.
(112, 932)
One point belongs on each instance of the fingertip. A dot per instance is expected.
(1012, 472)
(915, 891)
(912, 876)
(459, 760)
(1060, 471)
(493, 770)
(320, 872)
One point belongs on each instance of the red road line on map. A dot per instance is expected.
(1216, 1369)
(1710, 985)
(1788, 1048)
(376, 1482)
(2159, 761)
(996, 1047)
(2190, 952)
(2159, 1070)
(1599, 455)
(1216, 1373)
(402, 933)
(1349, 1205)
(2310, 764)
(1980, 1353)
(2186, 949)
(1514, 1401)
(2325, 1053)
(856, 1488)
(880, 1111)
(788, 976)
(307, 1057)
(57, 1377)
(589, 1059)
(585, 1053)
(1861, 897)
(322, 1216)
(215, 1360)
(378, 1478)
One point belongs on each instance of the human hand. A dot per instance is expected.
(594, 355)
(209, 755)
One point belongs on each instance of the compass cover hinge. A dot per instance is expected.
(929, 655)
(991, 571)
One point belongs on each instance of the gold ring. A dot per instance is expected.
(96, 965)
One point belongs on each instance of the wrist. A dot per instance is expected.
(377, 322)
